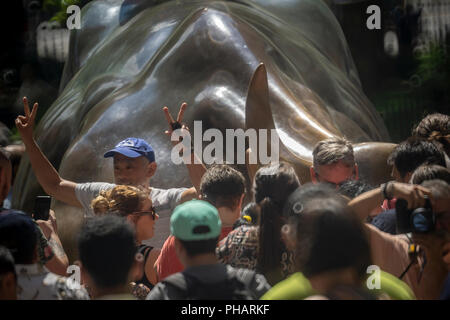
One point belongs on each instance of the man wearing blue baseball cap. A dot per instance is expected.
(196, 226)
(134, 164)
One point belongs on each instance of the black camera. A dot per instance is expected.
(420, 220)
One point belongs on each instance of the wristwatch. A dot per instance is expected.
(384, 188)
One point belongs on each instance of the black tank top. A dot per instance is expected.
(145, 251)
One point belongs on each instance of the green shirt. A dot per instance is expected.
(298, 287)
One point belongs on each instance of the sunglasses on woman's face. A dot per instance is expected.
(147, 213)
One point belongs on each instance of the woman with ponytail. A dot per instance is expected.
(260, 247)
(135, 206)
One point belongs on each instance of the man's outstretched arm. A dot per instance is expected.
(46, 174)
(196, 171)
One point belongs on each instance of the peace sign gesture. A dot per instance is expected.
(25, 124)
(173, 125)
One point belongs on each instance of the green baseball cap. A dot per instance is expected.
(195, 220)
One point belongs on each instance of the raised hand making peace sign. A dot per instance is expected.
(25, 124)
(173, 125)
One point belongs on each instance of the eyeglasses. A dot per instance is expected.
(147, 213)
(332, 184)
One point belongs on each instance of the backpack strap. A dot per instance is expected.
(177, 286)
(240, 284)
(180, 286)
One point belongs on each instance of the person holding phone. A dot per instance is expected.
(50, 251)
(18, 233)
(42, 208)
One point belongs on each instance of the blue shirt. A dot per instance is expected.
(386, 221)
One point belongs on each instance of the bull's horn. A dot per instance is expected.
(258, 115)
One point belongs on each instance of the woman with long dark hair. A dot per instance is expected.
(261, 247)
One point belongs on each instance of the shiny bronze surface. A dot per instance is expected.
(129, 60)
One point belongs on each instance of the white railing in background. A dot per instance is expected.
(434, 21)
(52, 41)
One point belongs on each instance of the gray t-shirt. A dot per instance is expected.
(164, 202)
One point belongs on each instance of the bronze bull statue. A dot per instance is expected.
(239, 64)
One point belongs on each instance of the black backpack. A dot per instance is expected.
(236, 286)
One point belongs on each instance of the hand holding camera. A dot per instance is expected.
(414, 195)
(413, 208)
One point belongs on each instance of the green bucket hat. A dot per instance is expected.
(195, 220)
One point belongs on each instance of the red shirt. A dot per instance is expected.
(168, 262)
(389, 204)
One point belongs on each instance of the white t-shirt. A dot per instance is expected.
(164, 202)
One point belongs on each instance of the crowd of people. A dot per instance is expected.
(334, 238)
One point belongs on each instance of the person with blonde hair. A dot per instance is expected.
(135, 205)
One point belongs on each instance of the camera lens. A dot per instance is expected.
(420, 223)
